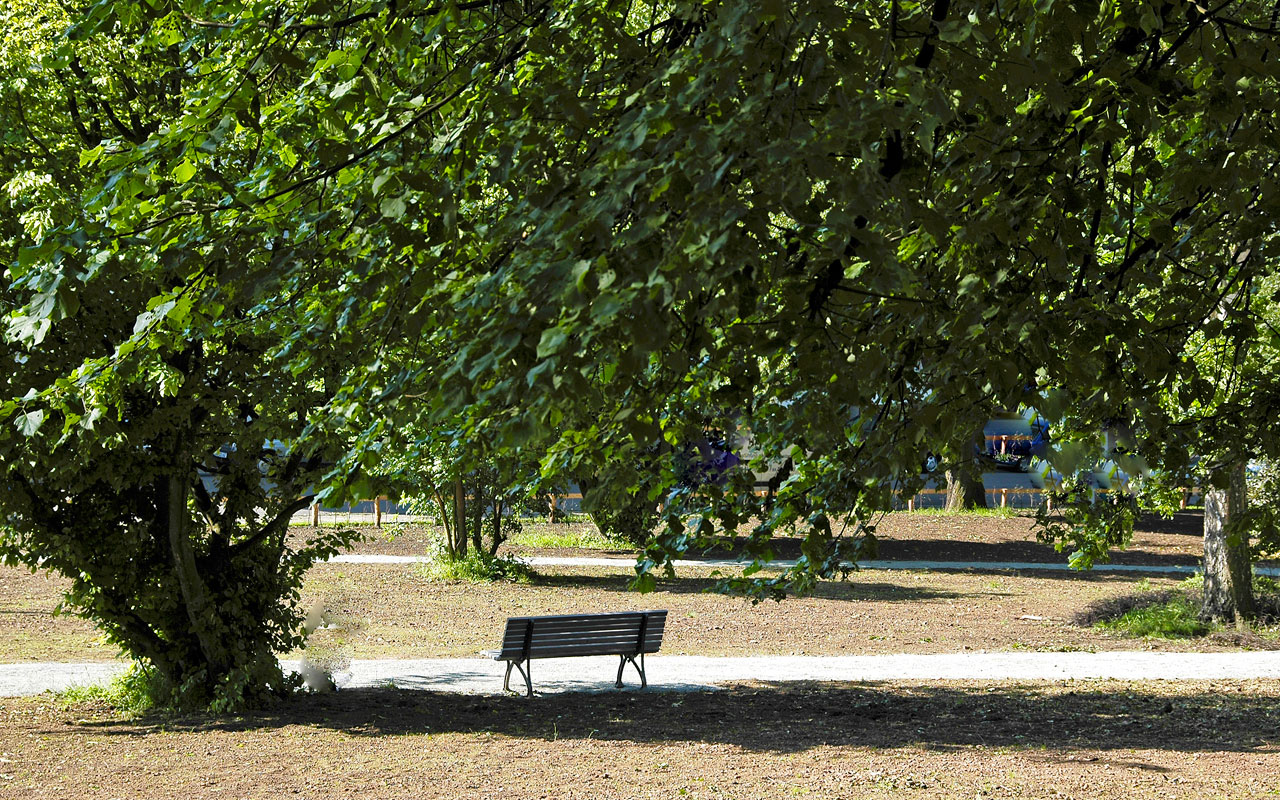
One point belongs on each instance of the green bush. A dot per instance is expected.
(138, 690)
(1171, 615)
(476, 567)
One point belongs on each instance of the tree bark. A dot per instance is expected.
(446, 518)
(477, 518)
(1228, 578)
(497, 506)
(195, 595)
(458, 545)
(964, 492)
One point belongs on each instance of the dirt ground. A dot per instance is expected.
(942, 740)
(903, 536)
(1084, 739)
(874, 612)
(391, 610)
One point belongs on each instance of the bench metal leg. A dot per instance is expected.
(622, 663)
(524, 670)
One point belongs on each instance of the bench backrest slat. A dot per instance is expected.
(583, 634)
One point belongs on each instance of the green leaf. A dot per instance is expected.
(552, 342)
(394, 207)
(184, 171)
(30, 422)
(214, 138)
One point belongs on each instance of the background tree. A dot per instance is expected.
(963, 472)
(1231, 430)
(478, 495)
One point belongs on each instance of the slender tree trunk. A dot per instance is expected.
(477, 518)
(458, 547)
(446, 518)
(1228, 579)
(497, 521)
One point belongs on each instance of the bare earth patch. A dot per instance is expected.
(385, 611)
(389, 610)
(1087, 739)
(29, 630)
(903, 536)
(1078, 740)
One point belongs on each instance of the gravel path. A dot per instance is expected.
(696, 673)
(627, 564)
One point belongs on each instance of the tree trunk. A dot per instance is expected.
(498, 507)
(1228, 579)
(964, 492)
(446, 517)
(195, 595)
(477, 517)
(458, 543)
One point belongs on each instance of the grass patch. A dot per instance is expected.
(578, 536)
(1172, 613)
(1146, 612)
(1008, 512)
(133, 693)
(476, 568)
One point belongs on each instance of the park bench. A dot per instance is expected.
(626, 634)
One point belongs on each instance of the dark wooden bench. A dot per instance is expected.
(626, 634)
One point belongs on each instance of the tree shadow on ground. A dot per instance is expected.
(796, 717)
(967, 551)
(950, 550)
(864, 585)
(826, 590)
(1183, 523)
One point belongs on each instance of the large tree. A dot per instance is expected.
(150, 451)
(846, 229)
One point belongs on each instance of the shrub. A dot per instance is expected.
(476, 567)
(136, 691)
(1171, 613)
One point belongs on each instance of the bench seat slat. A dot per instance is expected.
(626, 643)
(563, 652)
(630, 640)
(626, 636)
(632, 631)
(571, 652)
(586, 617)
(605, 645)
(631, 624)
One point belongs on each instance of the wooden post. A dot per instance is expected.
(911, 503)
(315, 514)
(1004, 497)
(1004, 445)
(377, 512)
(1048, 504)
(1183, 503)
